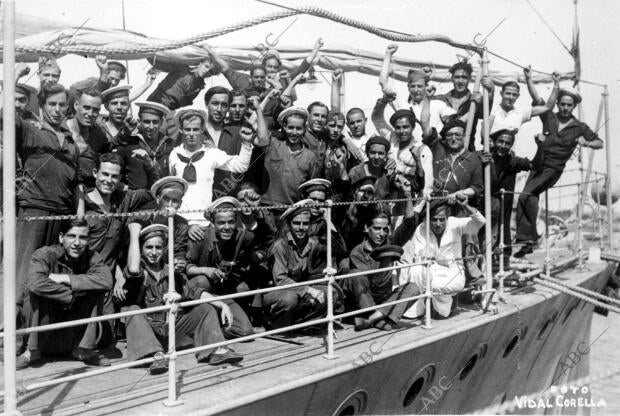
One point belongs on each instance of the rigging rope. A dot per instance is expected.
(60, 47)
(583, 290)
(549, 27)
(569, 291)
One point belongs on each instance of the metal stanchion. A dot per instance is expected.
(172, 298)
(599, 217)
(427, 269)
(502, 246)
(488, 237)
(579, 229)
(9, 228)
(329, 273)
(547, 254)
(608, 189)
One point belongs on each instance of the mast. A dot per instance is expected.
(8, 194)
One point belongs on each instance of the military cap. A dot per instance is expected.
(169, 182)
(220, 204)
(286, 113)
(154, 230)
(151, 107)
(403, 113)
(387, 252)
(317, 184)
(186, 113)
(118, 91)
(571, 92)
(296, 209)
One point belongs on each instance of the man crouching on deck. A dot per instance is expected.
(65, 282)
(147, 286)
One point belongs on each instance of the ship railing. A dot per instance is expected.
(172, 305)
(330, 278)
(577, 246)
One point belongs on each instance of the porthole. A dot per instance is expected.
(570, 310)
(417, 385)
(468, 367)
(413, 392)
(547, 325)
(354, 404)
(511, 346)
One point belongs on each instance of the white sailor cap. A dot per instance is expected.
(153, 108)
(118, 91)
(315, 184)
(296, 209)
(287, 112)
(186, 113)
(154, 230)
(169, 182)
(220, 203)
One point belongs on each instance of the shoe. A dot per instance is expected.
(90, 357)
(526, 249)
(226, 357)
(361, 324)
(112, 353)
(159, 366)
(27, 358)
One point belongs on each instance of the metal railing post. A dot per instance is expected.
(579, 228)
(9, 228)
(502, 246)
(172, 299)
(547, 252)
(329, 273)
(488, 236)
(599, 217)
(427, 270)
(608, 189)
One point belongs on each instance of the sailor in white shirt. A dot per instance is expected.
(507, 117)
(196, 163)
(358, 130)
(444, 246)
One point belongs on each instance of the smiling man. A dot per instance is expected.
(89, 137)
(65, 282)
(562, 134)
(50, 162)
(220, 263)
(116, 102)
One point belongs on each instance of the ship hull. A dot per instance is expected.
(517, 354)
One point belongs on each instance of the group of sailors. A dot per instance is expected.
(243, 182)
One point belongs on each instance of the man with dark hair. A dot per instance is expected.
(377, 167)
(180, 88)
(51, 175)
(116, 102)
(504, 168)
(376, 252)
(562, 134)
(297, 257)
(444, 245)
(220, 262)
(507, 117)
(238, 106)
(65, 282)
(87, 134)
(108, 235)
(357, 129)
(147, 280)
(145, 150)
(460, 97)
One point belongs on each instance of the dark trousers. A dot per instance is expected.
(291, 306)
(31, 236)
(365, 296)
(200, 326)
(100, 334)
(527, 207)
(41, 311)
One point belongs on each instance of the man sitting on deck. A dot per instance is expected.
(444, 246)
(65, 282)
(297, 257)
(147, 284)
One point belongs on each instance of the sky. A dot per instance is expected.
(517, 33)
